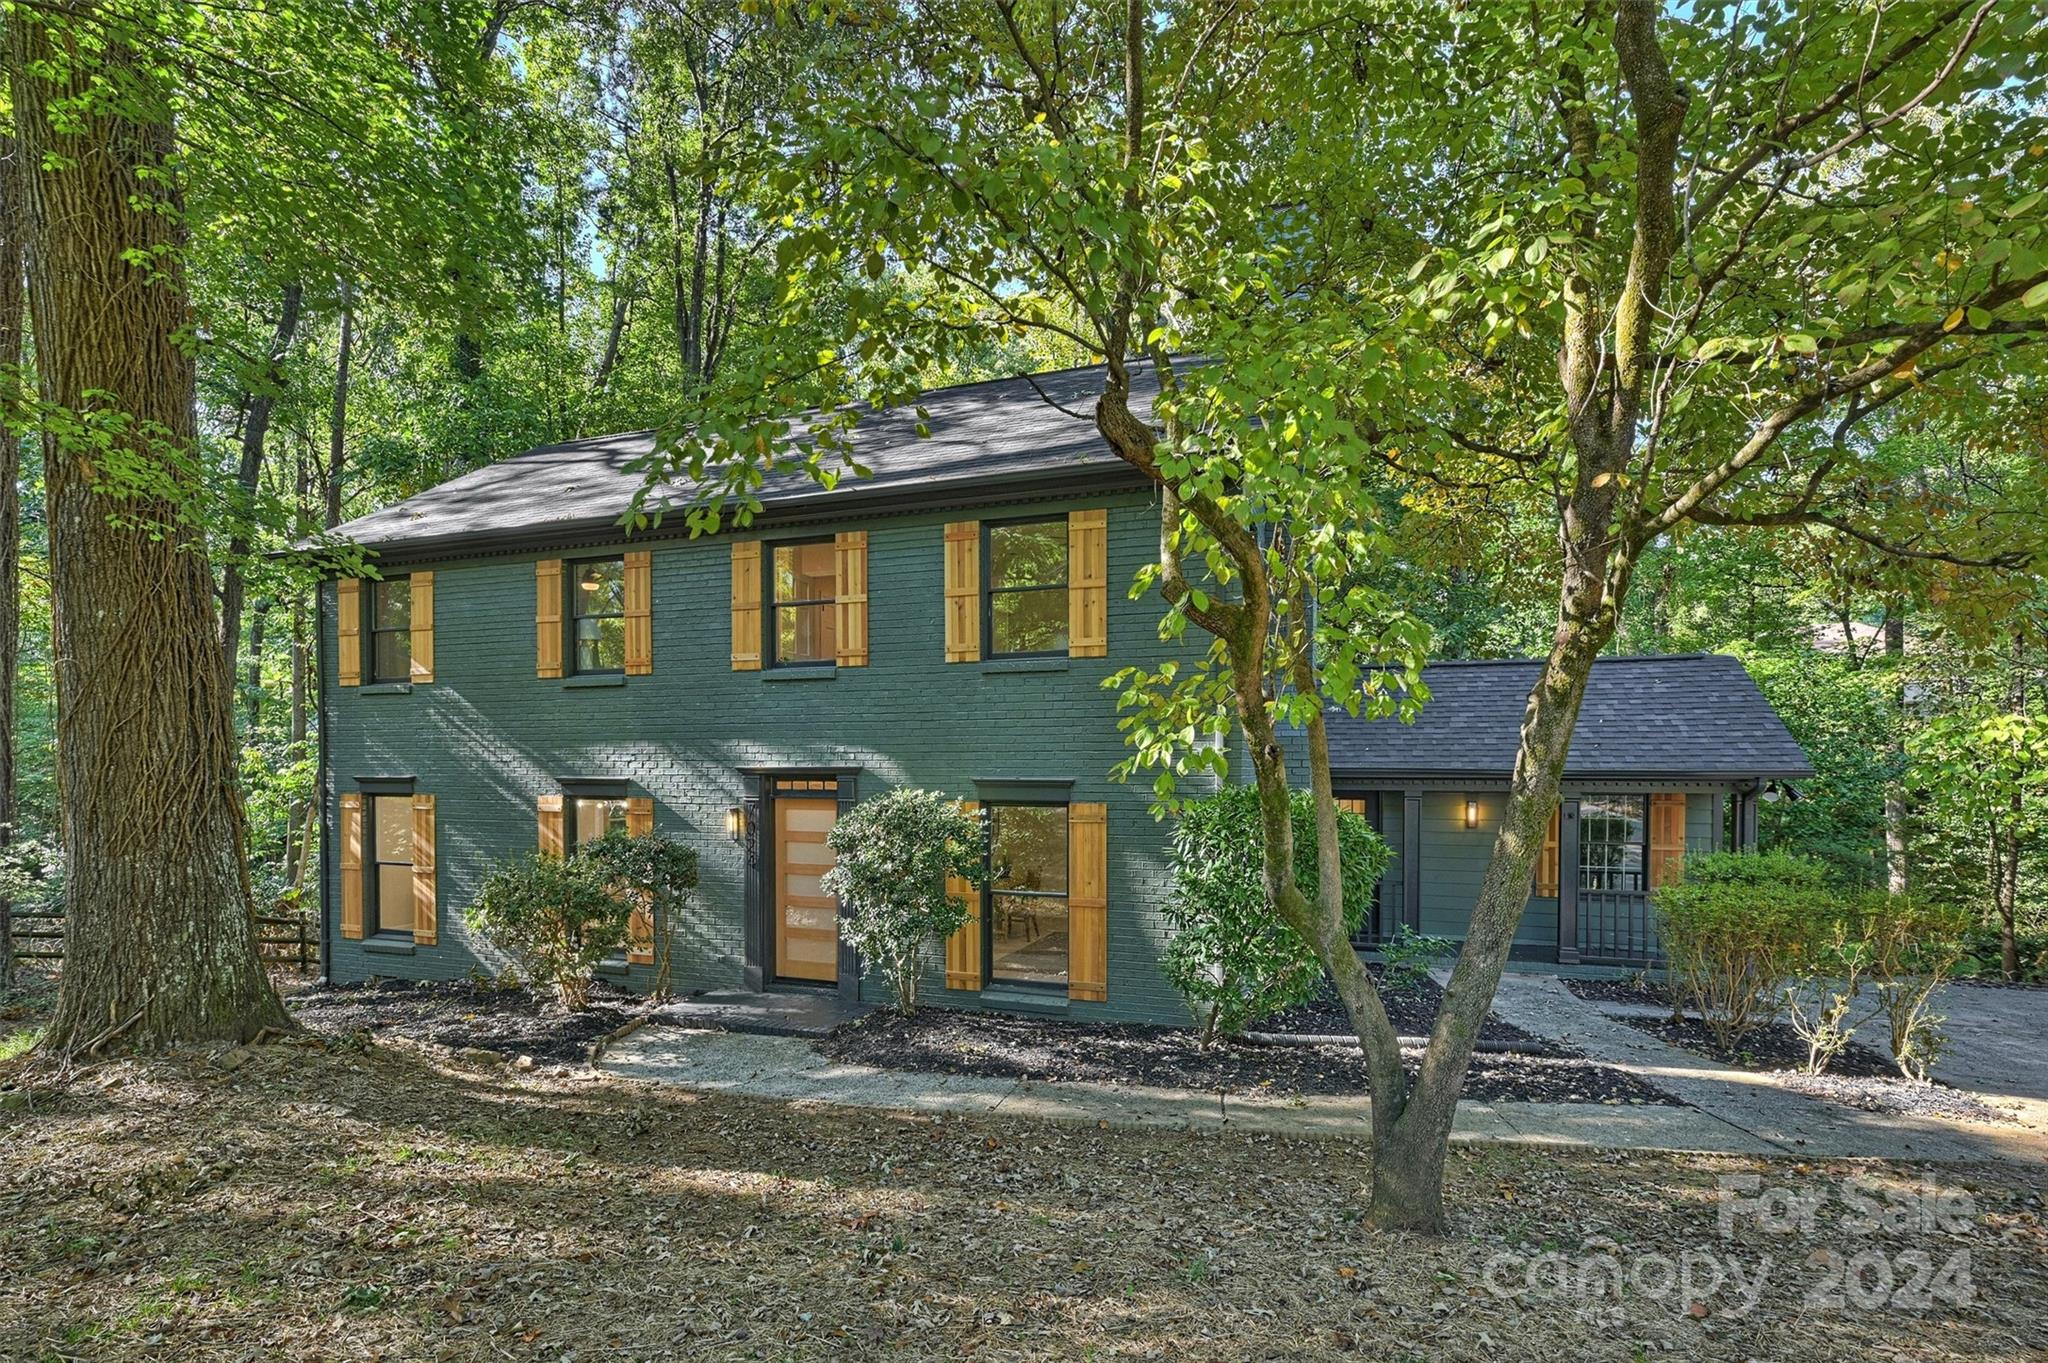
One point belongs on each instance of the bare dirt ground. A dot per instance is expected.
(328, 1200)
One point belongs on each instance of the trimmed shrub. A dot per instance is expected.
(1827, 983)
(555, 918)
(1915, 948)
(896, 852)
(657, 874)
(1230, 955)
(1735, 927)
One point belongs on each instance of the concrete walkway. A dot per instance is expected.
(1757, 1107)
(789, 1068)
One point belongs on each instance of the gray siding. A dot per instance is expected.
(487, 737)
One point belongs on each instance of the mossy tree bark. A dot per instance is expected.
(160, 943)
(12, 308)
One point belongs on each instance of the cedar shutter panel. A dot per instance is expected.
(423, 627)
(348, 629)
(850, 614)
(425, 925)
(639, 613)
(1667, 838)
(746, 605)
(963, 593)
(547, 618)
(1088, 902)
(963, 947)
(1088, 584)
(553, 834)
(1546, 863)
(352, 866)
(640, 942)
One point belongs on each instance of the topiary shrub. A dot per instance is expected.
(1230, 955)
(555, 918)
(657, 875)
(1735, 927)
(896, 852)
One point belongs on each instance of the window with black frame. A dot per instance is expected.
(390, 862)
(1026, 899)
(597, 614)
(803, 589)
(1025, 587)
(1613, 842)
(389, 604)
(590, 818)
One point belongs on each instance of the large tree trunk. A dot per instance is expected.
(257, 405)
(12, 305)
(159, 941)
(1895, 787)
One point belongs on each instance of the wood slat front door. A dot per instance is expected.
(806, 918)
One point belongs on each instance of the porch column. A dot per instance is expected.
(1411, 859)
(1568, 882)
(1745, 821)
(1714, 825)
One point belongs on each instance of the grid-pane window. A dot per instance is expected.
(1027, 587)
(391, 629)
(590, 820)
(391, 861)
(1612, 833)
(804, 584)
(1027, 894)
(597, 608)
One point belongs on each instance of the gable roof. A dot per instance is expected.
(986, 439)
(1696, 716)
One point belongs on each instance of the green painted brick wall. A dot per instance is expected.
(487, 738)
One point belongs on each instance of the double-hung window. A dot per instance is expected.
(803, 587)
(597, 615)
(592, 818)
(1027, 894)
(390, 863)
(1613, 843)
(1024, 589)
(389, 604)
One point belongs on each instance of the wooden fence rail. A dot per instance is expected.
(281, 939)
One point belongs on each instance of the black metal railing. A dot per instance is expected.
(1617, 928)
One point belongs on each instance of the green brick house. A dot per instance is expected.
(524, 675)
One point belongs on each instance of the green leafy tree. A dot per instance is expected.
(1983, 772)
(1230, 956)
(895, 854)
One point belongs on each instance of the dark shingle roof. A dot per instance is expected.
(1696, 715)
(989, 436)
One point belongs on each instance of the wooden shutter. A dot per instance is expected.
(348, 630)
(425, 925)
(1667, 837)
(547, 618)
(1088, 902)
(422, 627)
(1546, 861)
(1088, 584)
(639, 613)
(850, 614)
(640, 944)
(963, 592)
(553, 833)
(352, 866)
(963, 948)
(746, 605)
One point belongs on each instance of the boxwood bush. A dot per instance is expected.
(1736, 927)
(1230, 955)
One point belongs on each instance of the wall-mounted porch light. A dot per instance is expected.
(736, 823)
(1471, 811)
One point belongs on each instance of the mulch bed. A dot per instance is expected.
(1771, 1047)
(1620, 989)
(1412, 1009)
(997, 1046)
(466, 1014)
